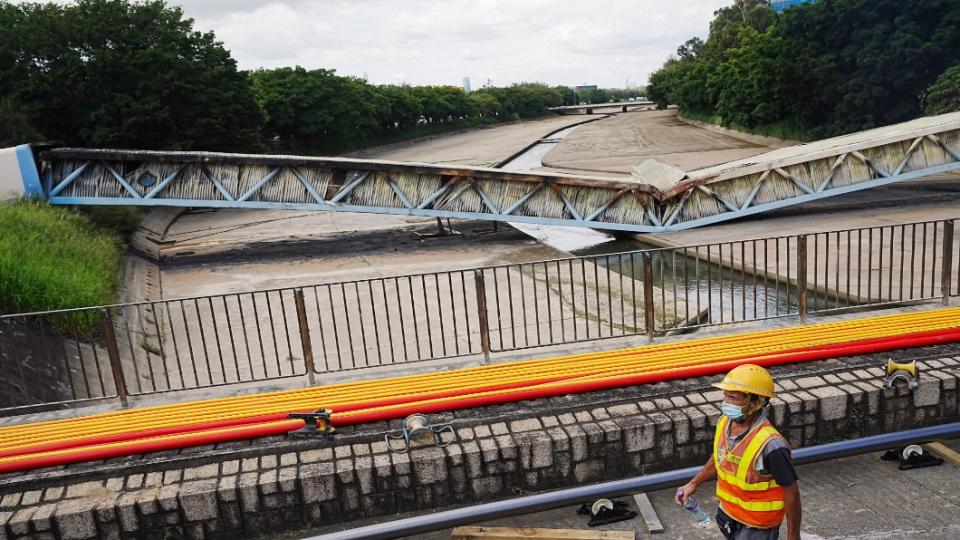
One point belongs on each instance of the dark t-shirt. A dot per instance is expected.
(774, 459)
(779, 464)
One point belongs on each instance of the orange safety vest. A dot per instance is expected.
(746, 495)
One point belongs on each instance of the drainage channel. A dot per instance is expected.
(567, 239)
(714, 301)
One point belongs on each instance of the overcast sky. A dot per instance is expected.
(442, 41)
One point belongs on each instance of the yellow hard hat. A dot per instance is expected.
(748, 378)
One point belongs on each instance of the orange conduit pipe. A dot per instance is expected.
(216, 424)
(341, 408)
(155, 444)
(337, 418)
(637, 358)
(418, 386)
(141, 442)
(338, 406)
(593, 384)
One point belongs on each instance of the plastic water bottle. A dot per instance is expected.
(701, 517)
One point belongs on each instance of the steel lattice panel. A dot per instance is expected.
(749, 186)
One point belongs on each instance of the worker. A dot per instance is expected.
(756, 481)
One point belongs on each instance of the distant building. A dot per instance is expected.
(780, 5)
(584, 87)
(466, 85)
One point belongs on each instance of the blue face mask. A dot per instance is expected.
(731, 411)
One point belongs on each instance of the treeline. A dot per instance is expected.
(817, 69)
(317, 111)
(115, 73)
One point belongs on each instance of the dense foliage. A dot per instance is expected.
(943, 96)
(816, 69)
(320, 112)
(52, 258)
(112, 73)
(135, 74)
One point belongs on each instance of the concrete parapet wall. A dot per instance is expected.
(337, 483)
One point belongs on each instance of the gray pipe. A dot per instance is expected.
(619, 488)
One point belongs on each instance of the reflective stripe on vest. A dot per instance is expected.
(748, 496)
(763, 506)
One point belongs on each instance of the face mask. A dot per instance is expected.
(733, 412)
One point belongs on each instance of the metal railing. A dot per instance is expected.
(76, 356)
(393, 320)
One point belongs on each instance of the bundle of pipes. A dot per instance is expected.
(147, 429)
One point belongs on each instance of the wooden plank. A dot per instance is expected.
(527, 533)
(649, 515)
(945, 452)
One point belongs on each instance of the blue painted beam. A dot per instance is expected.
(816, 196)
(495, 215)
(29, 174)
(192, 203)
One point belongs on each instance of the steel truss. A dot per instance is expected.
(766, 182)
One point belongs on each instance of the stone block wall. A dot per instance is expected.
(358, 477)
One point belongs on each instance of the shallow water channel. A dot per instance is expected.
(712, 294)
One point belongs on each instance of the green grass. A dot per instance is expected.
(52, 258)
(122, 220)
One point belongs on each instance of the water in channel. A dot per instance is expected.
(712, 294)
(563, 238)
(719, 295)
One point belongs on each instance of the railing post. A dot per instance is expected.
(304, 335)
(648, 310)
(481, 290)
(802, 277)
(946, 281)
(113, 353)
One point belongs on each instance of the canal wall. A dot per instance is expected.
(271, 485)
(141, 271)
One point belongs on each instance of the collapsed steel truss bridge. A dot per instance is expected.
(660, 202)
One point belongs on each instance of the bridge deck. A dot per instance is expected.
(784, 177)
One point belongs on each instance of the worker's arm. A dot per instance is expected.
(791, 504)
(777, 460)
(706, 473)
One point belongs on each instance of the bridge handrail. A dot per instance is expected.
(149, 347)
(469, 269)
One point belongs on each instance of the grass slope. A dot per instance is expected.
(52, 258)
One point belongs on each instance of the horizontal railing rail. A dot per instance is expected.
(77, 356)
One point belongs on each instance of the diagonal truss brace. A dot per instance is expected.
(81, 174)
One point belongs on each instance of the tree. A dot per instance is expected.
(567, 94)
(115, 73)
(943, 95)
(484, 104)
(316, 110)
(863, 63)
(821, 69)
(15, 126)
(524, 100)
(690, 49)
(399, 107)
(746, 85)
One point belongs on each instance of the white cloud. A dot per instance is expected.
(442, 41)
